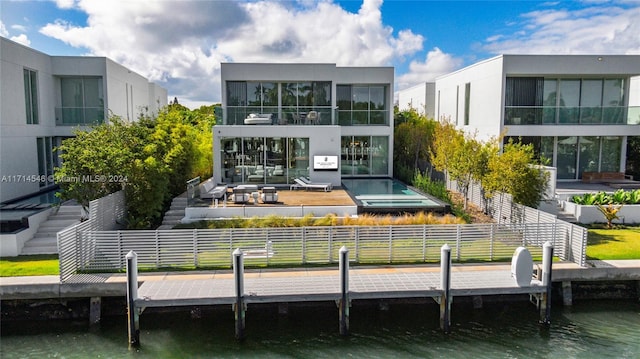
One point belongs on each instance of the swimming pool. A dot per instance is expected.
(385, 195)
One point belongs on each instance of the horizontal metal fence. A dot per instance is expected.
(104, 214)
(156, 249)
(504, 211)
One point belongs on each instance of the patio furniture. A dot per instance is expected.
(269, 195)
(208, 190)
(240, 195)
(301, 184)
(308, 181)
(258, 119)
(312, 118)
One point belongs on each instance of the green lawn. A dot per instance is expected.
(614, 243)
(29, 265)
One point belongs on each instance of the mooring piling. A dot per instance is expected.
(547, 261)
(132, 295)
(343, 304)
(445, 284)
(239, 306)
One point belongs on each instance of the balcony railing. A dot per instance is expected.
(552, 115)
(79, 116)
(301, 116)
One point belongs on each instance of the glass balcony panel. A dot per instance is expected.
(360, 118)
(590, 115)
(378, 117)
(633, 115)
(569, 115)
(74, 116)
(549, 115)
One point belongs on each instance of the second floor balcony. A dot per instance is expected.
(552, 115)
(79, 116)
(301, 116)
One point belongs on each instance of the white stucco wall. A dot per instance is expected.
(486, 99)
(420, 97)
(18, 146)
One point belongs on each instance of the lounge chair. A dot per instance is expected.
(308, 181)
(210, 191)
(301, 184)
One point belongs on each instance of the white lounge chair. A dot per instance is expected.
(208, 190)
(308, 181)
(301, 184)
(240, 195)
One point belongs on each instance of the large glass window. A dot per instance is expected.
(364, 155)
(567, 156)
(46, 160)
(569, 103)
(362, 105)
(613, 101)
(591, 101)
(264, 160)
(82, 101)
(611, 150)
(550, 101)
(589, 154)
(31, 96)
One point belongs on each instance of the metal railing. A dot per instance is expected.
(503, 210)
(105, 250)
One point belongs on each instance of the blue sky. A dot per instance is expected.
(180, 44)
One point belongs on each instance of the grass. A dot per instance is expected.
(29, 265)
(617, 243)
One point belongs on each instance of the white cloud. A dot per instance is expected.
(21, 39)
(183, 42)
(435, 64)
(597, 28)
(3, 30)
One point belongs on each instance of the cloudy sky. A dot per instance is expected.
(180, 44)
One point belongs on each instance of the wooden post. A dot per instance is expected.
(445, 284)
(343, 305)
(132, 295)
(238, 307)
(547, 260)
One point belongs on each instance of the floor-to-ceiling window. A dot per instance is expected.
(82, 101)
(264, 160)
(362, 105)
(364, 155)
(564, 101)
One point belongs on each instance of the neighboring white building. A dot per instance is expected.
(44, 98)
(577, 110)
(420, 97)
(282, 121)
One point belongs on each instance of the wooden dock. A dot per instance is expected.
(342, 286)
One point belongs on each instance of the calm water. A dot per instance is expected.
(500, 330)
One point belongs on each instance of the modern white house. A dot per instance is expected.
(283, 121)
(421, 97)
(44, 98)
(577, 110)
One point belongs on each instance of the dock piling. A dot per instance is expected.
(547, 260)
(445, 284)
(239, 307)
(343, 305)
(132, 295)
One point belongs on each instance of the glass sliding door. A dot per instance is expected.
(276, 165)
(591, 101)
(379, 155)
(589, 155)
(611, 150)
(569, 103)
(567, 156)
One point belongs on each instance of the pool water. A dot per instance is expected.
(388, 195)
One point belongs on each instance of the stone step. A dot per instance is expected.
(59, 223)
(39, 250)
(43, 241)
